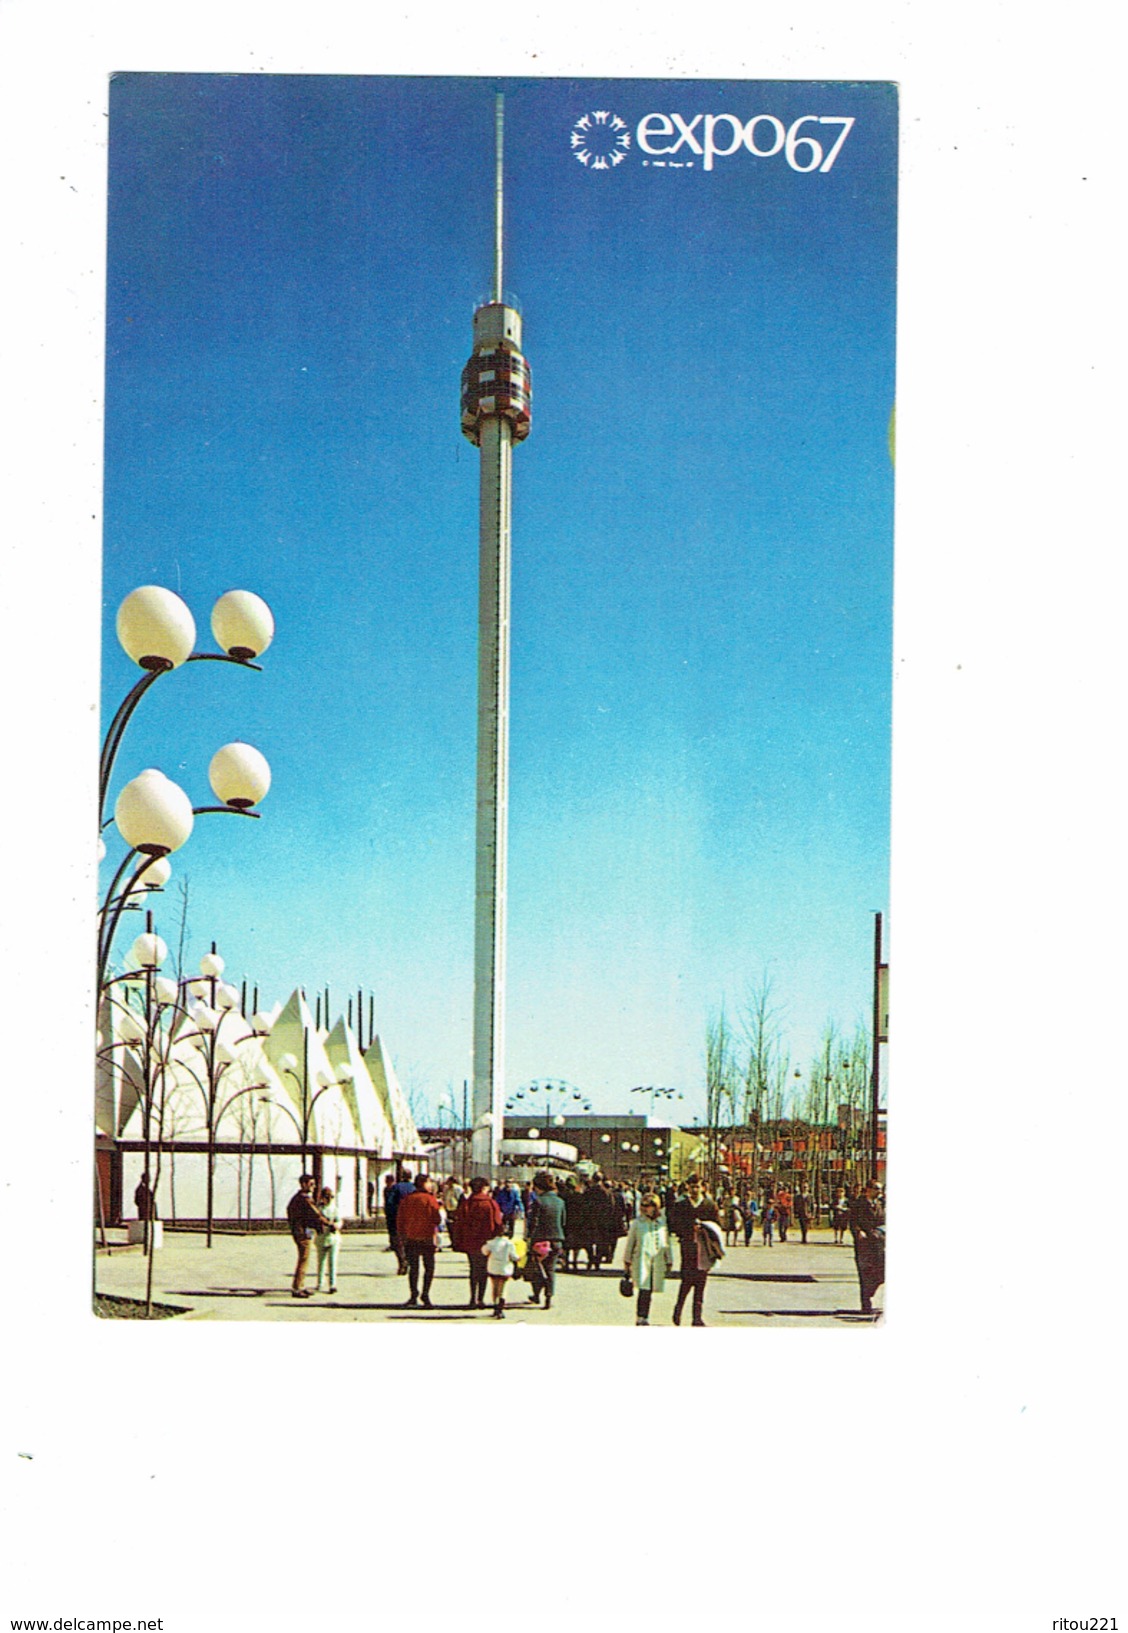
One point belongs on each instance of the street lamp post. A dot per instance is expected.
(158, 632)
(288, 1065)
(218, 1059)
(653, 1093)
(153, 815)
(143, 1034)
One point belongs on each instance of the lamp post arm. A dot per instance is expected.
(116, 732)
(222, 810)
(117, 878)
(125, 713)
(183, 1065)
(252, 1088)
(107, 932)
(121, 1003)
(309, 1109)
(107, 936)
(222, 657)
(280, 1105)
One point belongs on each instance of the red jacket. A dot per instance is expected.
(476, 1219)
(417, 1218)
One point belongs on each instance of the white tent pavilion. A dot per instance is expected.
(373, 1128)
(392, 1097)
(331, 1108)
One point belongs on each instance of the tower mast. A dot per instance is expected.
(495, 416)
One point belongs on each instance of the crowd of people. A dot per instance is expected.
(513, 1233)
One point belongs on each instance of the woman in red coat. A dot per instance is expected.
(476, 1220)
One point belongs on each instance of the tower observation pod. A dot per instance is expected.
(495, 416)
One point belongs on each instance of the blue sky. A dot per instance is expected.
(702, 549)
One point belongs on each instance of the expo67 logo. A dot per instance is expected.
(600, 140)
(808, 145)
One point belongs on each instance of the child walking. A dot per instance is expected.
(501, 1261)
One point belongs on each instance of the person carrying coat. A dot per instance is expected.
(647, 1255)
(689, 1210)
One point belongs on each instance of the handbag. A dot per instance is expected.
(626, 1286)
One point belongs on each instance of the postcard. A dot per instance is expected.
(497, 664)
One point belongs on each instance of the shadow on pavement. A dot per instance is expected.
(401, 1314)
(788, 1315)
(749, 1275)
(223, 1292)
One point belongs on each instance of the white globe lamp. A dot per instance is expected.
(243, 624)
(156, 628)
(153, 815)
(129, 1028)
(239, 775)
(148, 953)
(155, 876)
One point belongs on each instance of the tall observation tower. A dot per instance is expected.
(495, 415)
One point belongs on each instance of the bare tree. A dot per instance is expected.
(836, 1099)
(822, 1075)
(179, 1120)
(765, 1072)
(722, 1089)
(182, 937)
(416, 1095)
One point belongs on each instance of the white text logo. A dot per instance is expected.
(712, 136)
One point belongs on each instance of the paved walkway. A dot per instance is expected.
(247, 1278)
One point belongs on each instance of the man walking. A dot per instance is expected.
(508, 1199)
(688, 1211)
(867, 1225)
(144, 1200)
(306, 1222)
(804, 1208)
(417, 1224)
(783, 1211)
(393, 1196)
